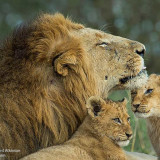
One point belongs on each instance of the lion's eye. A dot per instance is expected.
(117, 120)
(148, 91)
(128, 119)
(103, 44)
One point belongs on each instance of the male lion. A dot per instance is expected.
(146, 104)
(49, 68)
(103, 132)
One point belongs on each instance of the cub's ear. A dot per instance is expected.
(154, 77)
(95, 106)
(124, 101)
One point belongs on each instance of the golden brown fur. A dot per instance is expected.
(97, 138)
(149, 108)
(48, 69)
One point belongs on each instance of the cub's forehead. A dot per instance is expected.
(118, 108)
(119, 113)
(151, 84)
(122, 111)
(139, 90)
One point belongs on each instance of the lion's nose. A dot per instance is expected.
(128, 135)
(136, 105)
(141, 52)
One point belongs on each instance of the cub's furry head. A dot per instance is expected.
(110, 119)
(146, 100)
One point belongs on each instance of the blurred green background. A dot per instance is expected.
(134, 19)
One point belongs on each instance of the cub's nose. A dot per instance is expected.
(128, 135)
(136, 105)
(141, 52)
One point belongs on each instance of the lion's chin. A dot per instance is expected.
(137, 81)
(123, 143)
(142, 115)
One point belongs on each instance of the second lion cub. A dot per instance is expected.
(105, 129)
(146, 104)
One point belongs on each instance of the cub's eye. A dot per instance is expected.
(148, 91)
(103, 44)
(117, 120)
(128, 119)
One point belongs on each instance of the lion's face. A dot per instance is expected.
(115, 60)
(111, 119)
(146, 101)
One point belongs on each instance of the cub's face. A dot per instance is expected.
(115, 60)
(111, 119)
(146, 100)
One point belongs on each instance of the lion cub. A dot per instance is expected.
(146, 104)
(105, 129)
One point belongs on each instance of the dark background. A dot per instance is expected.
(134, 19)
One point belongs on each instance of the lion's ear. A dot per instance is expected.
(63, 62)
(95, 106)
(68, 55)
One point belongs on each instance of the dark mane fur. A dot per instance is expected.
(38, 106)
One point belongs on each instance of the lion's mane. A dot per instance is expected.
(45, 81)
